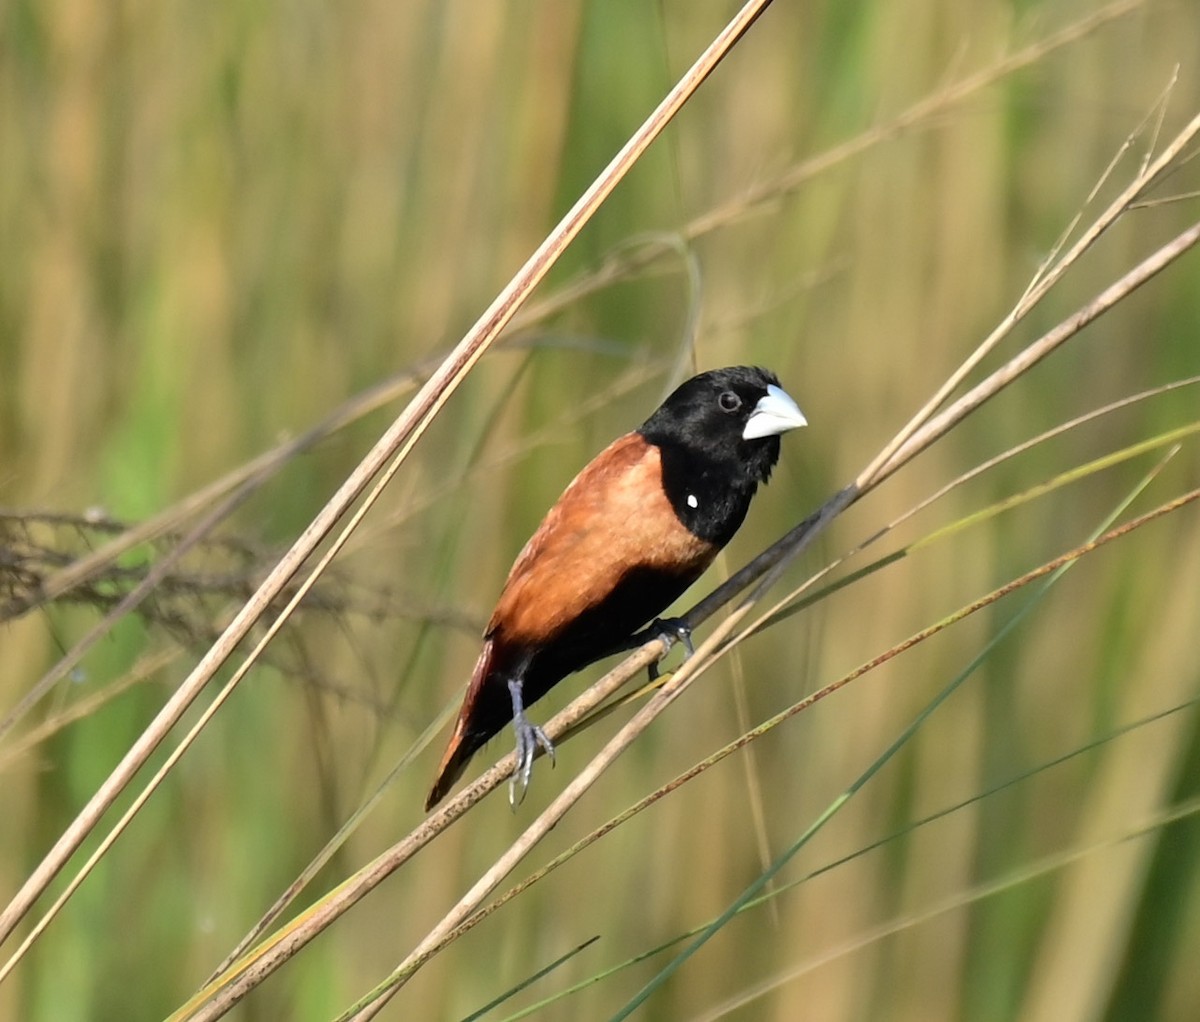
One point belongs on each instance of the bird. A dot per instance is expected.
(633, 530)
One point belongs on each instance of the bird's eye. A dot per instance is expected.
(729, 401)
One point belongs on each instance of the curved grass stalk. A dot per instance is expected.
(381, 463)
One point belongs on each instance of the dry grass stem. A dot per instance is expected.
(1045, 279)
(620, 265)
(390, 451)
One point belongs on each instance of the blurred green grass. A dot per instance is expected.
(215, 225)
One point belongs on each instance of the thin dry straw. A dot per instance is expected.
(1037, 290)
(391, 450)
(762, 195)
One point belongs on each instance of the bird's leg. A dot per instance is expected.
(529, 737)
(670, 630)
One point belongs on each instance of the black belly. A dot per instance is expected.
(602, 631)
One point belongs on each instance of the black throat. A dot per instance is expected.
(710, 468)
(710, 496)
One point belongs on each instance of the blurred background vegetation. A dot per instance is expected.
(219, 223)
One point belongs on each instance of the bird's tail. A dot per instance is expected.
(466, 738)
(454, 762)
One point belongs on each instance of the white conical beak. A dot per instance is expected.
(774, 414)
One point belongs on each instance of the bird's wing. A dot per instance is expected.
(612, 519)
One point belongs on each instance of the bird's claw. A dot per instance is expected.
(670, 630)
(529, 737)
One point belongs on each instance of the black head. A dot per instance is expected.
(719, 437)
(710, 415)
